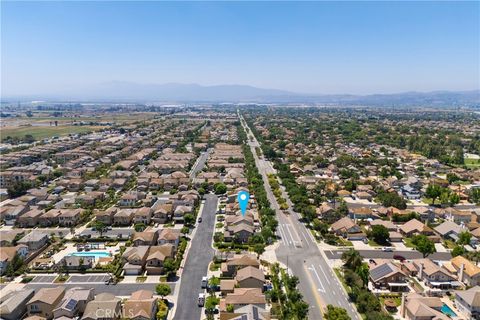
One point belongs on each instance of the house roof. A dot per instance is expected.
(469, 267)
(140, 304)
(413, 225)
(384, 270)
(471, 296)
(447, 227)
(245, 296)
(250, 272)
(14, 299)
(343, 224)
(47, 295)
(103, 301)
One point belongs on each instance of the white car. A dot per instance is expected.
(387, 249)
(201, 299)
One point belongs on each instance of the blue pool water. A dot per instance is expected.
(96, 254)
(447, 311)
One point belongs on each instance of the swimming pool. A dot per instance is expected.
(448, 311)
(96, 254)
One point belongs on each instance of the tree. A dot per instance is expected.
(201, 191)
(336, 313)
(433, 192)
(139, 226)
(259, 248)
(464, 238)
(99, 227)
(363, 272)
(220, 188)
(213, 283)
(380, 234)
(211, 303)
(18, 189)
(188, 219)
(169, 266)
(377, 315)
(352, 259)
(458, 157)
(367, 302)
(474, 195)
(453, 199)
(423, 245)
(320, 226)
(185, 230)
(458, 251)
(163, 290)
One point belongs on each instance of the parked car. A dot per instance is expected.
(199, 219)
(387, 249)
(204, 282)
(201, 299)
(399, 257)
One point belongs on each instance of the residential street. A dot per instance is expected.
(196, 265)
(299, 251)
(199, 164)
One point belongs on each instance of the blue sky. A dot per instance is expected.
(314, 47)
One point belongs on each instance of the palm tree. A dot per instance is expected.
(352, 259)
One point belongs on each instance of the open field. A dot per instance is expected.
(45, 132)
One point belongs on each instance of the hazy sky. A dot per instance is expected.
(315, 47)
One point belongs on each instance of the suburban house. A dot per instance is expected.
(239, 233)
(145, 238)
(169, 236)
(250, 277)
(34, 240)
(106, 217)
(74, 302)
(415, 227)
(387, 276)
(105, 306)
(242, 297)
(14, 304)
(230, 267)
(156, 257)
(417, 307)
(135, 258)
(347, 228)
(468, 302)
(44, 302)
(77, 263)
(433, 275)
(143, 215)
(30, 218)
(449, 230)
(140, 306)
(467, 271)
(123, 217)
(69, 217)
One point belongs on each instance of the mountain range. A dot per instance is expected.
(120, 91)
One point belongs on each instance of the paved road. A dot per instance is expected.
(299, 251)
(368, 254)
(199, 164)
(196, 266)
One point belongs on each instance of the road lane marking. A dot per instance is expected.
(321, 269)
(319, 280)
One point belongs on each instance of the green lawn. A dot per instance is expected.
(472, 163)
(408, 242)
(45, 132)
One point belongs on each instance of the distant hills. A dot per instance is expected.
(119, 91)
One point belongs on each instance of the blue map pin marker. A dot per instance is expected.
(243, 197)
